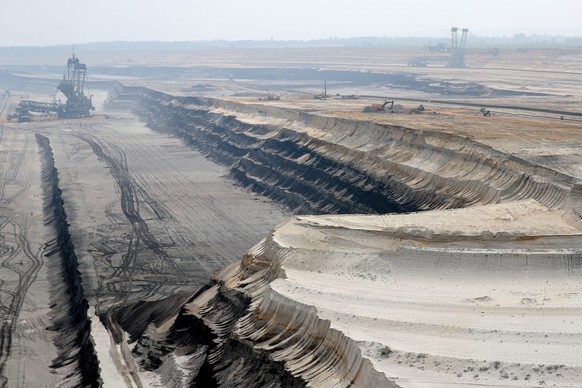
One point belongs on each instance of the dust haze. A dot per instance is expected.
(328, 194)
(41, 23)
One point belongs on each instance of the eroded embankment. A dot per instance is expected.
(236, 332)
(321, 164)
(190, 344)
(291, 332)
(77, 360)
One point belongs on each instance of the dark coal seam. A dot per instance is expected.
(315, 189)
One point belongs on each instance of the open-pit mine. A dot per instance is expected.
(319, 219)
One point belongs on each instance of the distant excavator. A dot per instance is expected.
(379, 107)
(270, 96)
(78, 104)
(72, 86)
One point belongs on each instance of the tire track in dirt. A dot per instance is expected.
(13, 246)
(25, 278)
(195, 214)
(133, 277)
(116, 160)
(165, 175)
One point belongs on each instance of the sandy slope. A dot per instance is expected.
(450, 307)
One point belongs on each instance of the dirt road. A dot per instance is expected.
(26, 347)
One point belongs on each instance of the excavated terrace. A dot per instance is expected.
(481, 288)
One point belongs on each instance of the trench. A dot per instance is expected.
(76, 357)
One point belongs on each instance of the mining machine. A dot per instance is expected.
(458, 47)
(72, 86)
(22, 112)
(379, 107)
(272, 96)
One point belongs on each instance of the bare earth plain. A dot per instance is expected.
(480, 286)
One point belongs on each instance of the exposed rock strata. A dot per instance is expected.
(321, 164)
(375, 308)
(487, 295)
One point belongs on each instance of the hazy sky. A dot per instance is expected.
(47, 22)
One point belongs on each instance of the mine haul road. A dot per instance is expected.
(148, 216)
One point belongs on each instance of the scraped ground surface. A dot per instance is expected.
(27, 349)
(191, 221)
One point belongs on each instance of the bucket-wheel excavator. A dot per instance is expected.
(72, 86)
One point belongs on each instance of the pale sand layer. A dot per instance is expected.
(496, 311)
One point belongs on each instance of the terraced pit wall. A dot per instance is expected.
(76, 361)
(322, 164)
(315, 163)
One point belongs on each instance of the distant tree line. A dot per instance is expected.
(516, 40)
